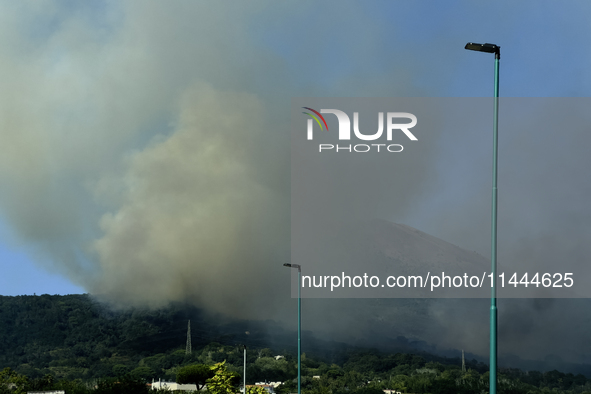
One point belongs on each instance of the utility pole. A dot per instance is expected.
(244, 378)
(463, 362)
(188, 349)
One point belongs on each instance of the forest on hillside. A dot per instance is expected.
(73, 342)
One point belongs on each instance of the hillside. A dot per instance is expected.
(65, 341)
(74, 336)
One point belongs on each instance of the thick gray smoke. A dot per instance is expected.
(543, 223)
(145, 155)
(196, 222)
(146, 146)
(136, 159)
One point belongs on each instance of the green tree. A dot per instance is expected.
(142, 373)
(40, 384)
(12, 382)
(120, 370)
(235, 378)
(194, 374)
(256, 390)
(126, 385)
(400, 383)
(222, 380)
(72, 387)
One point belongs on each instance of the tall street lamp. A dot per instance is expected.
(299, 268)
(492, 48)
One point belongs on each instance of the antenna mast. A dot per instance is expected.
(188, 349)
(463, 362)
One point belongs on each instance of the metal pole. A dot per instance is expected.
(244, 376)
(299, 267)
(299, 331)
(493, 300)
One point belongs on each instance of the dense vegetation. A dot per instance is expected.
(74, 343)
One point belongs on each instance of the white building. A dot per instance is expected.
(274, 384)
(47, 392)
(173, 386)
(269, 387)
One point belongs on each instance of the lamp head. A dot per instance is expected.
(489, 48)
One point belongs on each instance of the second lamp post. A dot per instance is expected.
(299, 268)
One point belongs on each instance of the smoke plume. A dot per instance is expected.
(145, 153)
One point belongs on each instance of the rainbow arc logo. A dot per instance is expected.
(315, 118)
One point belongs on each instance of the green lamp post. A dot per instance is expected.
(299, 268)
(492, 48)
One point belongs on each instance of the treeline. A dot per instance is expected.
(54, 342)
(75, 337)
(362, 372)
(370, 372)
(14, 383)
